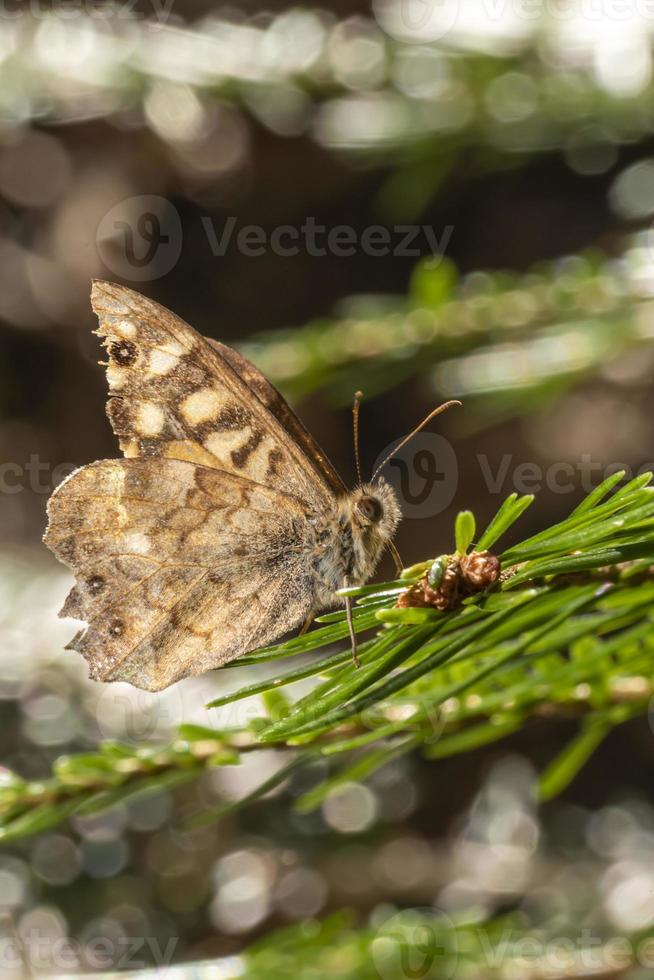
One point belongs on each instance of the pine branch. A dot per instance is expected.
(505, 343)
(567, 630)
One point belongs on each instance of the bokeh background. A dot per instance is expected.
(521, 134)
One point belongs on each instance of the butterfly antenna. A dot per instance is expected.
(358, 395)
(402, 444)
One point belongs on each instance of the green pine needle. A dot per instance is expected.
(567, 629)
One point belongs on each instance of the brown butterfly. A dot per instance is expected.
(225, 527)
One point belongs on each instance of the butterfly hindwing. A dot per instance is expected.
(204, 622)
(179, 567)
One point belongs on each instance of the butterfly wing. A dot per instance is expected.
(179, 568)
(279, 407)
(194, 549)
(174, 394)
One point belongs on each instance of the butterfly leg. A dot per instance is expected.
(399, 567)
(350, 626)
(307, 624)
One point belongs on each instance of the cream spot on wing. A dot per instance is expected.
(175, 348)
(221, 444)
(137, 543)
(124, 328)
(201, 406)
(150, 419)
(162, 362)
(116, 375)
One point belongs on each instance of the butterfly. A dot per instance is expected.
(223, 528)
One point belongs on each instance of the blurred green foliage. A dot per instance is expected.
(504, 342)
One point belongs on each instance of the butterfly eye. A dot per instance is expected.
(370, 508)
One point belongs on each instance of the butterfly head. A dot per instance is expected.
(375, 510)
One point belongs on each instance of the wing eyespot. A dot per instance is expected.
(123, 352)
(96, 584)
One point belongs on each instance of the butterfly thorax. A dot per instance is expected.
(349, 541)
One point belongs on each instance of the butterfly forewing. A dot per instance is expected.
(271, 399)
(174, 394)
